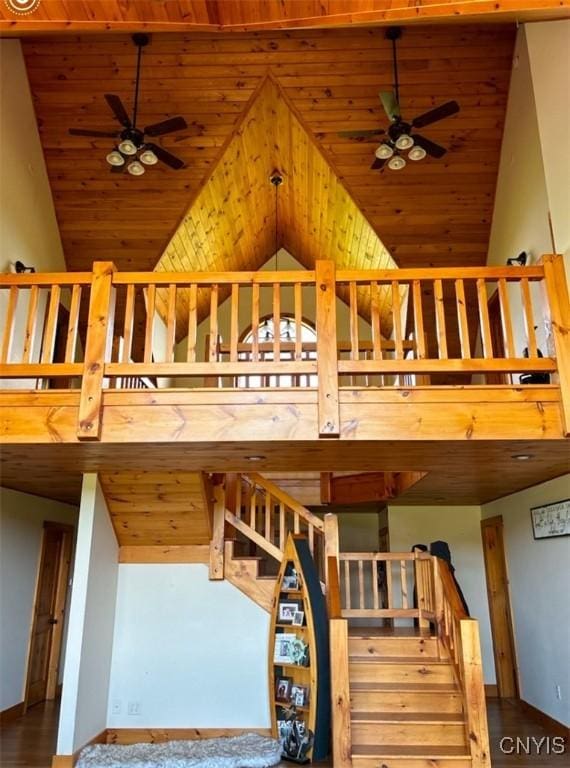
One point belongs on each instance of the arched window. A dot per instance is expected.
(287, 334)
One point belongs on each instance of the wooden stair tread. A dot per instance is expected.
(390, 633)
(407, 717)
(427, 751)
(247, 557)
(423, 660)
(268, 578)
(416, 687)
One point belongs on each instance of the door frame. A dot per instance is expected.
(497, 520)
(61, 592)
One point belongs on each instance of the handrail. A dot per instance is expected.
(98, 330)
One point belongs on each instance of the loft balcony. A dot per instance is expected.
(394, 355)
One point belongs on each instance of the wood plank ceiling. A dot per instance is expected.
(432, 213)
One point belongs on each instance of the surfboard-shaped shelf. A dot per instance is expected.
(299, 672)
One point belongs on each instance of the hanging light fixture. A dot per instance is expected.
(128, 147)
(148, 157)
(135, 168)
(396, 163)
(404, 141)
(384, 151)
(115, 158)
(416, 153)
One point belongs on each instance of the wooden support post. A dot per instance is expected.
(559, 304)
(331, 542)
(421, 590)
(99, 335)
(474, 691)
(340, 688)
(327, 356)
(326, 489)
(217, 542)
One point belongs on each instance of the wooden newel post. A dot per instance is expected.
(421, 588)
(476, 710)
(98, 342)
(559, 304)
(340, 693)
(218, 530)
(327, 356)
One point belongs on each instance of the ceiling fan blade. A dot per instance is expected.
(445, 110)
(166, 126)
(118, 109)
(391, 106)
(85, 132)
(361, 134)
(167, 157)
(377, 164)
(432, 149)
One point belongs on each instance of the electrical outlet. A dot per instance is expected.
(116, 707)
(558, 693)
(134, 708)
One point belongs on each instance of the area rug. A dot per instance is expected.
(249, 750)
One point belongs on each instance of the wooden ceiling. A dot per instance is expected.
(157, 508)
(432, 213)
(232, 223)
(228, 16)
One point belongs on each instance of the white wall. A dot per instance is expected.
(21, 526)
(539, 576)
(91, 622)
(461, 528)
(191, 652)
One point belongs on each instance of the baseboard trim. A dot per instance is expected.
(68, 761)
(12, 713)
(491, 690)
(158, 735)
(545, 720)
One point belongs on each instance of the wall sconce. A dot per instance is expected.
(21, 268)
(519, 261)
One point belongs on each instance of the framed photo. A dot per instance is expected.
(299, 695)
(287, 612)
(283, 649)
(551, 520)
(291, 578)
(283, 689)
(298, 618)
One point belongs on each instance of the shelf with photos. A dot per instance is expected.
(293, 671)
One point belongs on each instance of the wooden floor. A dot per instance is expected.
(30, 741)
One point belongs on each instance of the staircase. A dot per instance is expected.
(406, 710)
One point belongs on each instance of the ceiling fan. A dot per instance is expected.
(400, 135)
(132, 150)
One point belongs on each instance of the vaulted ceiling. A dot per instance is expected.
(434, 212)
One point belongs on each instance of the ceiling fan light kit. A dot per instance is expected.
(400, 134)
(132, 144)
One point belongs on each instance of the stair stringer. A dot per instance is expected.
(243, 574)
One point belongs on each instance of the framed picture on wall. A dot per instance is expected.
(551, 520)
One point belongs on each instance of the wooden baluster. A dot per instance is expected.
(419, 329)
(347, 595)
(234, 324)
(276, 322)
(217, 544)
(462, 320)
(51, 325)
(397, 316)
(506, 323)
(353, 309)
(255, 322)
(486, 341)
(389, 590)
(238, 497)
(268, 516)
(253, 508)
(361, 598)
(282, 524)
(214, 341)
(171, 323)
(559, 305)
(192, 323)
(528, 318)
(99, 334)
(31, 321)
(327, 355)
(311, 537)
(375, 321)
(298, 299)
(9, 325)
(440, 319)
(296, 522)
(150, 308)
(128, 324)
(404, 583)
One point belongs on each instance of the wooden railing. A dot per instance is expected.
(405, 327)
(265, 515)
(411, 586)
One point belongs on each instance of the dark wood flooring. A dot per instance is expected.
(29, 742)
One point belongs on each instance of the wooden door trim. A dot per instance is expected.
(63, 568)
(497, 520)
